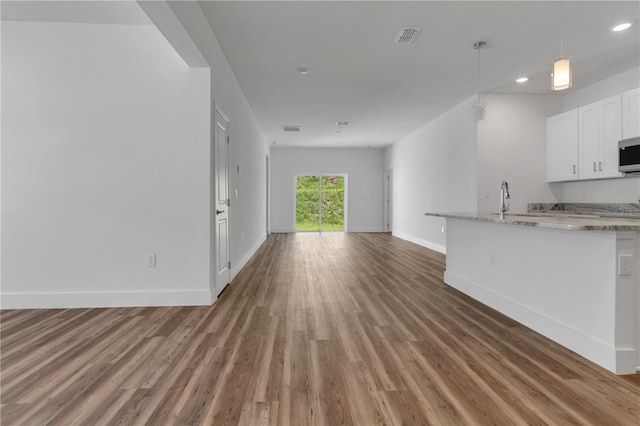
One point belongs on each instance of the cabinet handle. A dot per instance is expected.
(600, 165)
(594, 167)
(574, 169)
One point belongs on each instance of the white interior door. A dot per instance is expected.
(223, 265)
(388, 206)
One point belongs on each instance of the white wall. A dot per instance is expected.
(619, 83)
(434, 170)
(511, 146)
(364, 168)
(621, 190)
(105, 158)
(248, 148)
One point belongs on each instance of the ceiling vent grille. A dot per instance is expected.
(291, 129)
(407, 35)
(342, 123)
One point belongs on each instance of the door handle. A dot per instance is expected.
(219, 211)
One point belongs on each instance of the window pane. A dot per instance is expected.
(332, 203)
(307, 203)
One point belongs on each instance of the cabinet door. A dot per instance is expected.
(631, 114)
(610, 129)
(588, 137)
(562, 147)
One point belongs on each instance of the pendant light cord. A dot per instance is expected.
(561, 29)
(478, 80)
(478, 45)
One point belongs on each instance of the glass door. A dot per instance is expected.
(320, 203)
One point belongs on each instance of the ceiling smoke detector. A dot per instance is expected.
(291, 129)
(406, 35)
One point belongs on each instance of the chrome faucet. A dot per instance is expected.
(504, 195)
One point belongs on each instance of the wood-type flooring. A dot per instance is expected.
(317, 329)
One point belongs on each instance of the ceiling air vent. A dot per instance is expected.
(291, 129)
(407, 35)
(342, 123)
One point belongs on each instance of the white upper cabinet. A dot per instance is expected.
(583, 143)
(610, 133)
(562, 147)
(588, 141)
(631, 114)
(599, 130)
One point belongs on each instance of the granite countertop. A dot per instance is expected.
(578, 222)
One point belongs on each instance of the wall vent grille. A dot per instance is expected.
(292, 129)
(406, 35)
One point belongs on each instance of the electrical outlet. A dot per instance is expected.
(625, 265)
(151, 260)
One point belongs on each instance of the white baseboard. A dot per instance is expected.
(618, 361)
(235, 269)
(350, 229)
(424, 243)
(64, 300)
(365, 229)
(283, 230)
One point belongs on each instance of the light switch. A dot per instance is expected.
(625, 265)
(151, 260)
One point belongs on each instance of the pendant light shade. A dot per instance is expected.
(561, 78)
(561, 74)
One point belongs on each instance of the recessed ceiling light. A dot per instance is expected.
(621, 27)
(302, 70)
(522, 79)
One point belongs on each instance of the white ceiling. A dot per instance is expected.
(86, 12)
(358, 74)
(387, 91)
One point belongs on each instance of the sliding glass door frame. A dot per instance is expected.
(295, 195)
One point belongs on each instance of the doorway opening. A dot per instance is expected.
(268, 198)
(320, 203)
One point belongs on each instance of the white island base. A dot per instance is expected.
(564, 284)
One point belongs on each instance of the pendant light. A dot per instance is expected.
(561, 77)
(479, 107)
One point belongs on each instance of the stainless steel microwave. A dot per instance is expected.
(629, 155)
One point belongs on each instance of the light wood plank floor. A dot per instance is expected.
(325, 329)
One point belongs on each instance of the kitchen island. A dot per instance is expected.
(573, 279)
